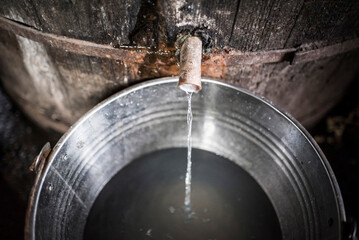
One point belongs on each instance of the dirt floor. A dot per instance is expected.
(20, 140)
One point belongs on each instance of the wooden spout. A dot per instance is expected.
(190, 65)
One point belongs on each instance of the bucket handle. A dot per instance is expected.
(40, 160)
(37, 166)
(351, 229)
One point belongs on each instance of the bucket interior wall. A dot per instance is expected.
(228, 121)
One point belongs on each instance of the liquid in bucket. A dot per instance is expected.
(145, 201)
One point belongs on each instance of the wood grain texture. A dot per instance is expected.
(245, 25)
(216, 17)
(88, 50)
(20, 11)
(97, 21)
(263, 25)
(321, 23)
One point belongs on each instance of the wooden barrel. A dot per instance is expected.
(60, 58)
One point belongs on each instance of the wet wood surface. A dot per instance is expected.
(63, 57)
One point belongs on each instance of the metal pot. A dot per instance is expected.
(248, 130)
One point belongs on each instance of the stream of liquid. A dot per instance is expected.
(188, 180)
(145, 199)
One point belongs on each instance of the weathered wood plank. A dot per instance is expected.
(97, 21)
(264, 25)
(215, 17)
(56, 87)
(244, 25)
(307, 90)
(21, 11)
(324, 23)
(56, 76)
(136, 55)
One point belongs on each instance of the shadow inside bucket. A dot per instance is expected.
(145, 201)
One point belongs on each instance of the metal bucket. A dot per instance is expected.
(248, 130)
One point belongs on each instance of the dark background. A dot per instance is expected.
(21, 140)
